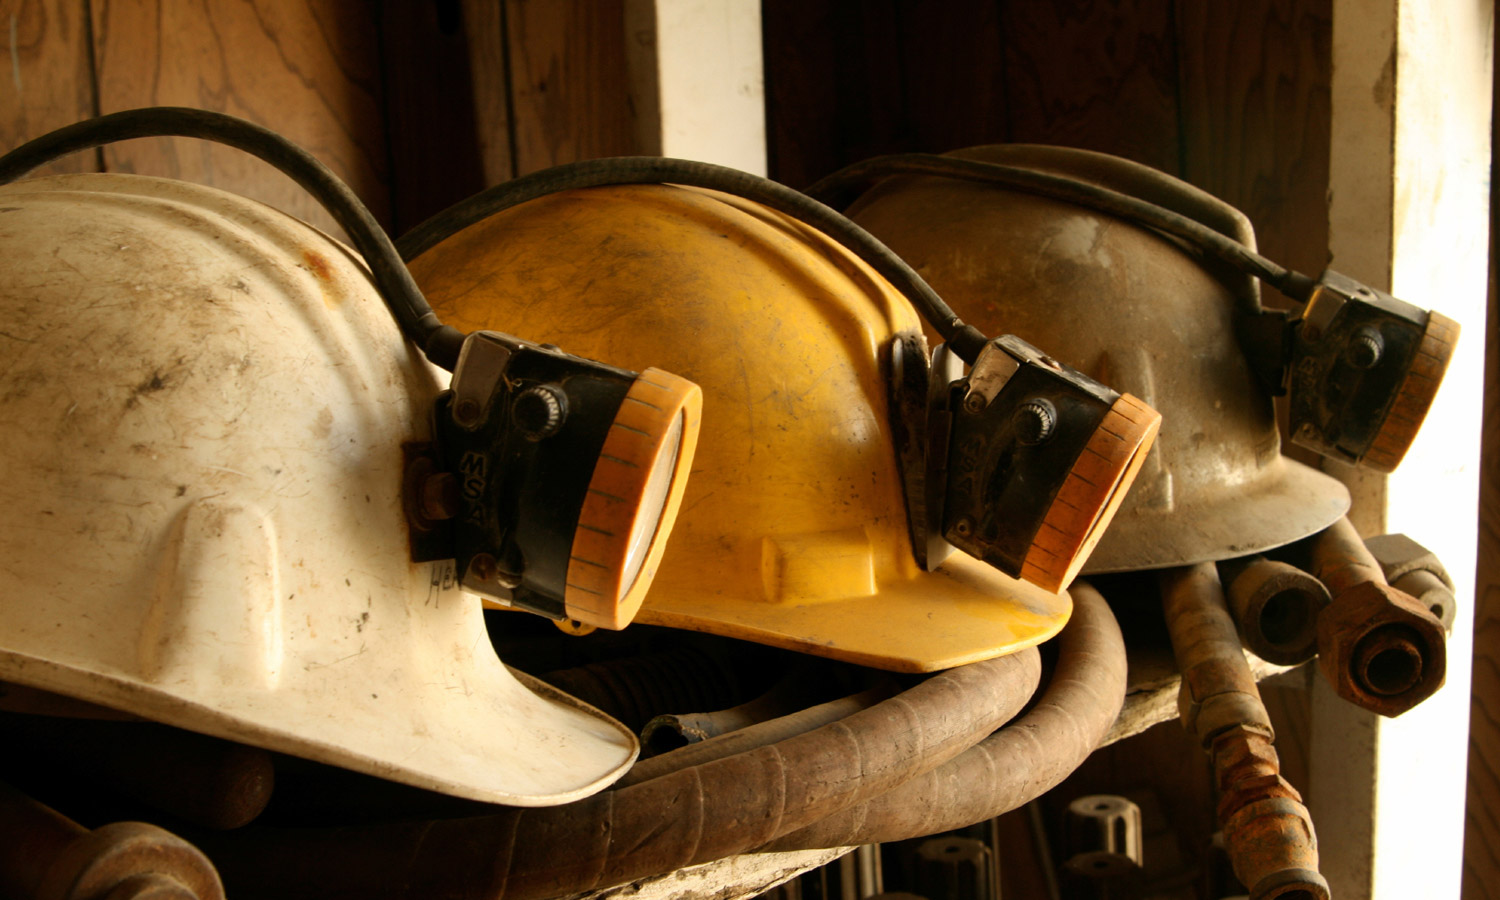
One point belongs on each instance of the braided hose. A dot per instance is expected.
(1015, 765)
(706, 812)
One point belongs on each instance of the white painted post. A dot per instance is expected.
(697, 80)
(1409, 190)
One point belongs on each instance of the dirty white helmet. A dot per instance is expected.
(203, 406)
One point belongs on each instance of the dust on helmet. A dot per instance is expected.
(204, 404)
(1134, 310)
(793, 529)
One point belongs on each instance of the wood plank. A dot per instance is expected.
(49, 82)
(308, 69)
(1481, 875)
(1254, 92)
(1254, 83)
(847, 81)
(801, 90)
(435, 156)
(569, 81)
(484, 29)
(1095, 74)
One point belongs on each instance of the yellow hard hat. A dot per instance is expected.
(1131, 308)
(793, 529)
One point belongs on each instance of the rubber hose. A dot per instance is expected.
(965, 341)
(842, 186)
(805, 682)
(637, 688)
(753, 736)
(696, 815)
(1015, 765)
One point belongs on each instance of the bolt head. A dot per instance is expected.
(538, 412)
(1364, 348)
(466, 412)
(1035, 421)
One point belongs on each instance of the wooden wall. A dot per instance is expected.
(416, 103)
(1232, 97)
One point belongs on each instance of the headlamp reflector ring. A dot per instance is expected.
(632, 499)
(1093, 490)
(1415, 395)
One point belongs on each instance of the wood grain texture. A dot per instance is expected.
(1254, 89)
(48, 82)
(846, 81)
(1254, 92)
(308, 69)
(1481, 875)
(569, 81)
(485, 31)
(1095, 74)
(435, 157)
(801, 90)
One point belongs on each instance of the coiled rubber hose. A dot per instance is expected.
(695, 815)
(1020, 762)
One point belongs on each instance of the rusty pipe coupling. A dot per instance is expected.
(1378, 646)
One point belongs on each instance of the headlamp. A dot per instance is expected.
(1362, 370)
(1362, 367)
(555, 479)
(1024, 461)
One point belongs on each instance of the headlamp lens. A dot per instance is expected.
(653, 503)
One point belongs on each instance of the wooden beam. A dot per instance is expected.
(569, 81)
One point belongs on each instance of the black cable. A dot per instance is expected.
(840, 189)
(413, 314)
(965, 340)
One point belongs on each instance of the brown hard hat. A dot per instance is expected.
(1136, 311)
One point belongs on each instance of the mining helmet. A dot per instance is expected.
(793, 529)
(205, 406)
(552, 480)
(1132, 308)
(1361, 367)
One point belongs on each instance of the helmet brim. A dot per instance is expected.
(1287, 502)
(960, 613)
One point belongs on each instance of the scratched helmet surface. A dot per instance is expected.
(203, 407)
(793, 528)
(1132, 309)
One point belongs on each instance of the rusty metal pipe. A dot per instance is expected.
(1013, 766)
(46, 856)
(695, 815)
(1267, 831)
(1275, 607)
(1379, 647)
(1340, 559)
(1413, 569)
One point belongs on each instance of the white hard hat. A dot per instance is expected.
(203, 406)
